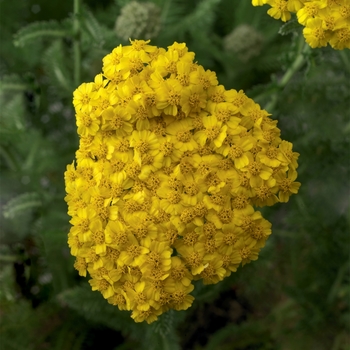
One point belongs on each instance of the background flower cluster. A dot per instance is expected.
(325, 21)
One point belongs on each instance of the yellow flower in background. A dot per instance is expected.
(169, 170)
(325, 22)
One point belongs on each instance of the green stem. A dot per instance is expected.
(165, 10)
(344, 57)
(9, 258)
(76, 42)
(10, 158)
(294, 68)
(165, 341)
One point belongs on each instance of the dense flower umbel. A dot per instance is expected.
(169, 169)
(325, 21)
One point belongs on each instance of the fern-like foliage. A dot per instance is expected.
(21, 203)
(25, 328)
(92, 27)
(57, 68)
(163, 332)
(39, 30)
(12, 83)
(200, 20)
(95, 308)
(204, 14)
(292, 26)
(11, 116)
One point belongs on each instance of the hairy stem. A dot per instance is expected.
(76, 42)
(297, 64)
(165, 10)
(9, 158)
(344, 57)
(9, 258)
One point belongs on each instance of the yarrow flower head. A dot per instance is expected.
(169, 171)
(325, 21)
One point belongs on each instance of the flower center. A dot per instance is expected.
(178, 273)
(194, 259)
(311, 9)
(235, 152)
(285, 185)
(184, 79)
(173, 98)
(191, 188)
(194, 100)
(254, 168)
(174, 197)
(230, 238)
(218, 97)
(213, 132)
(240, 202)
(225, 216)
(134, 250)
(184, 136)
(167, 148)
(190, 238)
(142, 146)
(271, 152)
(263, 192)
(244, 252)
(282, 5)
(154, 259)
(98, 237)
(343, 34)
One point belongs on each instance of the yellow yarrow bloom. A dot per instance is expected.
(325, 21)
(169, 170)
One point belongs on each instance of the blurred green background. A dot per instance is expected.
(296, 296)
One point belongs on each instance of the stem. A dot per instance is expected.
(345, 60)
(294, 68)
(10, 158)
(165, 342)
(9, 258)
(76, 42)
(165, 10)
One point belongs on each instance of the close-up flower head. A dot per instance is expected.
(170, 169)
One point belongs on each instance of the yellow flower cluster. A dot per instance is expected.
(169, 167)
(325, 21)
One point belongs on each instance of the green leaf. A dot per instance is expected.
(199, 21)
(204, 14)
(163, 332)
(291, 26)
(94, 307)
(164, 324)
(13, 83)
(22, 203)
(12, 116)
(38, 30)
(247, 335)
(57, 68)
(92, 26)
